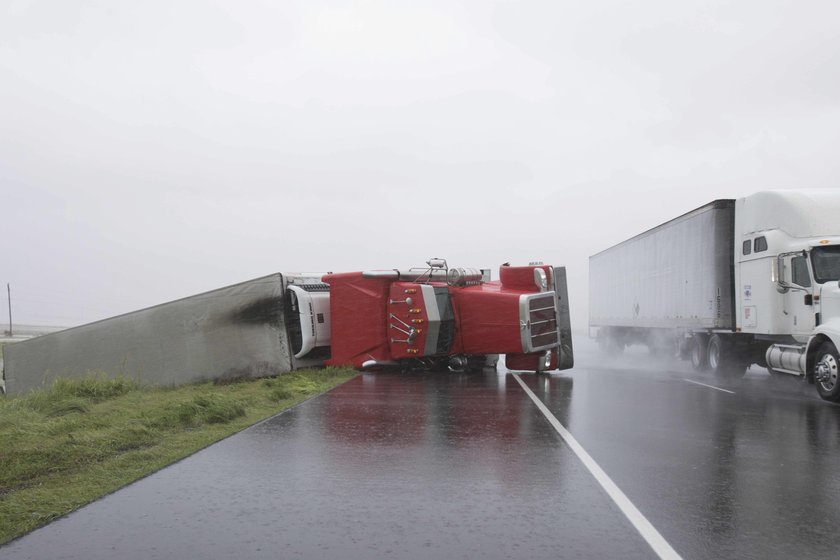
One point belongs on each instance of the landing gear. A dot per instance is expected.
(826, 371)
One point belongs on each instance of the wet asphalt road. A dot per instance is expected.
(466, 466)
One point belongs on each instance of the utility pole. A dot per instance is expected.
(9, 292)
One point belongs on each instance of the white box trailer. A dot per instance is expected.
(250, 329)
(732, 283)
(676, 275)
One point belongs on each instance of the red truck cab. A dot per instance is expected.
(442, 317)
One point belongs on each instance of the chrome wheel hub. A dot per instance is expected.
(826, 372)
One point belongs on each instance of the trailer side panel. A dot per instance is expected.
(677, 275)
(237, 331)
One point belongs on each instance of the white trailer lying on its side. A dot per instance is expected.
(732, 283)
(250, 329)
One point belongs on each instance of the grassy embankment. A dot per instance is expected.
(65, 446)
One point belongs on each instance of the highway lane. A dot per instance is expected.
(750, 473)
(446, 465)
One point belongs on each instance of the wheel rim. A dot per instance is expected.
(696, 353)
(714, 356)
(826, 372)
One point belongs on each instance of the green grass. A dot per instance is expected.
(63, 447)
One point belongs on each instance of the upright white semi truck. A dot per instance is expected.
(730, 284)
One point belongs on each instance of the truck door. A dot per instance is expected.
(799, 300)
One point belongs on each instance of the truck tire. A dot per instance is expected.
(699, 352)
(827, 372)
(723, 360)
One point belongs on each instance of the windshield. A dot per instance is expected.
(826, 261)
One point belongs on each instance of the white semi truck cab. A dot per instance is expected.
(787, 271)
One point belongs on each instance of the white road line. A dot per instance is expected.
(659, 545)
(709, 386)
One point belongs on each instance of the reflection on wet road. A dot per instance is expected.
(466, 466)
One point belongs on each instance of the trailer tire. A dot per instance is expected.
(827, 372)
(699, 352)
(723, 360)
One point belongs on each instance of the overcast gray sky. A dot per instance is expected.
(153, 150)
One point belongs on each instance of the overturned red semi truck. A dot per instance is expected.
(433, 318)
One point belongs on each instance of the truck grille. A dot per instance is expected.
(540, 328)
